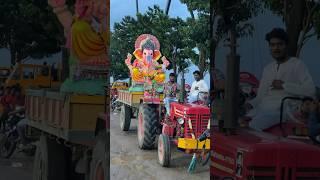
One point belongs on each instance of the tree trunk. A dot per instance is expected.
(174, 67)
(202, 61)
(12, 56)
(294, 24)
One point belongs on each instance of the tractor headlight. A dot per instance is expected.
(180, 120)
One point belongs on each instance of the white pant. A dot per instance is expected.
(167, 101)
(192, 98)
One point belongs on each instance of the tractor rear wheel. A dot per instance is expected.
(147, 125)
(164, 150)
(125, 117)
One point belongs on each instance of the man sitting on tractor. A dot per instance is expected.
(171, 89)
(286, 76)
(199, 88)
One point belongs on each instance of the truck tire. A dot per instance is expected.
(99, 169)
(125, 117)
(50, 162)
(147, 126)
(7, 145)
(164, 150)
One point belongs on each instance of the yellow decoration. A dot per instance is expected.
(188, 143)
(86, 43)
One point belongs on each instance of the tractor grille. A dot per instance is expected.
(262, 173)
(308, 173)
(199, 124)
(286, 173)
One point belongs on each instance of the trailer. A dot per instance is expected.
(72, 134)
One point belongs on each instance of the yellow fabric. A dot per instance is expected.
(137, 76)
(160, 78)
(86, 43)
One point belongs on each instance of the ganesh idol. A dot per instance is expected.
(146, 72)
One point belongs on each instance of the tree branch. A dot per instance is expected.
(306, 28)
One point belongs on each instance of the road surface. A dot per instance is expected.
(18, 167)
(128, 162)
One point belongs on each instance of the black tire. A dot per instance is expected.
(125, 117)
(30, 152)
(99, 169)
(7, 146)
(50, 162)
(147, 126)
(164, 150)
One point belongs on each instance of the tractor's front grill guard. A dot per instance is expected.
(199, 124)
(266, 173)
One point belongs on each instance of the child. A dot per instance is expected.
(311, 110)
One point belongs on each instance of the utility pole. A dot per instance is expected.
(137, 7)
(168, 6)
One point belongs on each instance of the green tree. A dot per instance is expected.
(197, 33)
(301, 19)
(226, 15)
(29, 29)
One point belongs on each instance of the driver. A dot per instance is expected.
(198, 88)
(285, 76)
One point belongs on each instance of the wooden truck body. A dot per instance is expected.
(73, 132)
(70, 117)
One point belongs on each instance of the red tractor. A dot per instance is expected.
(243, 154)
(187, 128)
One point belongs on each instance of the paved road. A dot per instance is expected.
(128, 162)
(18, 167)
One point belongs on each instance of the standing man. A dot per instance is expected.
(198, 88)
(285, 76)
(171, 90)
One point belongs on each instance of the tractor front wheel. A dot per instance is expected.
(164, 150)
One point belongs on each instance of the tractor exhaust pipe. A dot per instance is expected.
(183, 90)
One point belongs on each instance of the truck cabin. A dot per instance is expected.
(31, 75)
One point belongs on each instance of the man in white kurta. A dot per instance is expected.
(287, 76)
(198, 86)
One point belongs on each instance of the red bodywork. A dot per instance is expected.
(265, 157)
(198, 114)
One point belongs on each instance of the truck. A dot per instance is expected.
(30, 76)
(72, 130)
